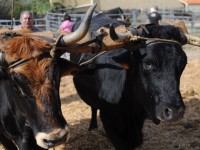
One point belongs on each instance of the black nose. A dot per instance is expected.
(171, 113)
(168, 113)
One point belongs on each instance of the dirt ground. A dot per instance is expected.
(181, 135)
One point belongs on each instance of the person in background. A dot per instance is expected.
(26, 20)
(67, 24)
(154, 17)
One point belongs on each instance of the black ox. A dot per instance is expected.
(134, 83)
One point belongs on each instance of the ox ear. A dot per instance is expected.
(122, 60)
(67, 67)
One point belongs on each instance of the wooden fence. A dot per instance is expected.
(52, 21)
(39, 22)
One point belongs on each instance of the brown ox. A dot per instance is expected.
(30, 112)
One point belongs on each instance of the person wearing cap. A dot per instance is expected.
(154, 17)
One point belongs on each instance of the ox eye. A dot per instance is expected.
(147, 65)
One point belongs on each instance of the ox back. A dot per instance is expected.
(136, 83)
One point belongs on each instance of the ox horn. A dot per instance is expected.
(193, 40)
(123, 36)
(81, 31)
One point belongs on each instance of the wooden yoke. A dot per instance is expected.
(107, 43)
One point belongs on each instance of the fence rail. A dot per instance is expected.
(52, 21)
(39, 22)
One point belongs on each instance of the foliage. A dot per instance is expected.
(55, 7)
(60, 8)
(5, 9)
(38, 7)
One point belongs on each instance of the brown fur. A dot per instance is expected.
(4, 29)
(37, 74)
(24, 46)
(46, 34)
(27, 46)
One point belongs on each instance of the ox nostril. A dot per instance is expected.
(168, 113)
(49, 143)
(55, 142)
(54, 138)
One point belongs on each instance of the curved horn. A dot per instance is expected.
(82, 30)
(119, 37)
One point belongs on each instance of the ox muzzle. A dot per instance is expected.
(169, 112)
(53, 138)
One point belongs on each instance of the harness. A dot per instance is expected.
(4, 66)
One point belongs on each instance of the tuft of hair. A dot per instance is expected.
(26, 45)
(4, 30)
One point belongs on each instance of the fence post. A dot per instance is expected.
(47, 23)
(135, 16)
(193, 21)
(172, 15)
(59, 21)
(14, 22)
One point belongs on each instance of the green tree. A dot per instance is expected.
(38, 7)
(5, 9)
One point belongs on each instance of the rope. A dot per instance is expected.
(20, 62)
(90, 60)
(155, 39)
